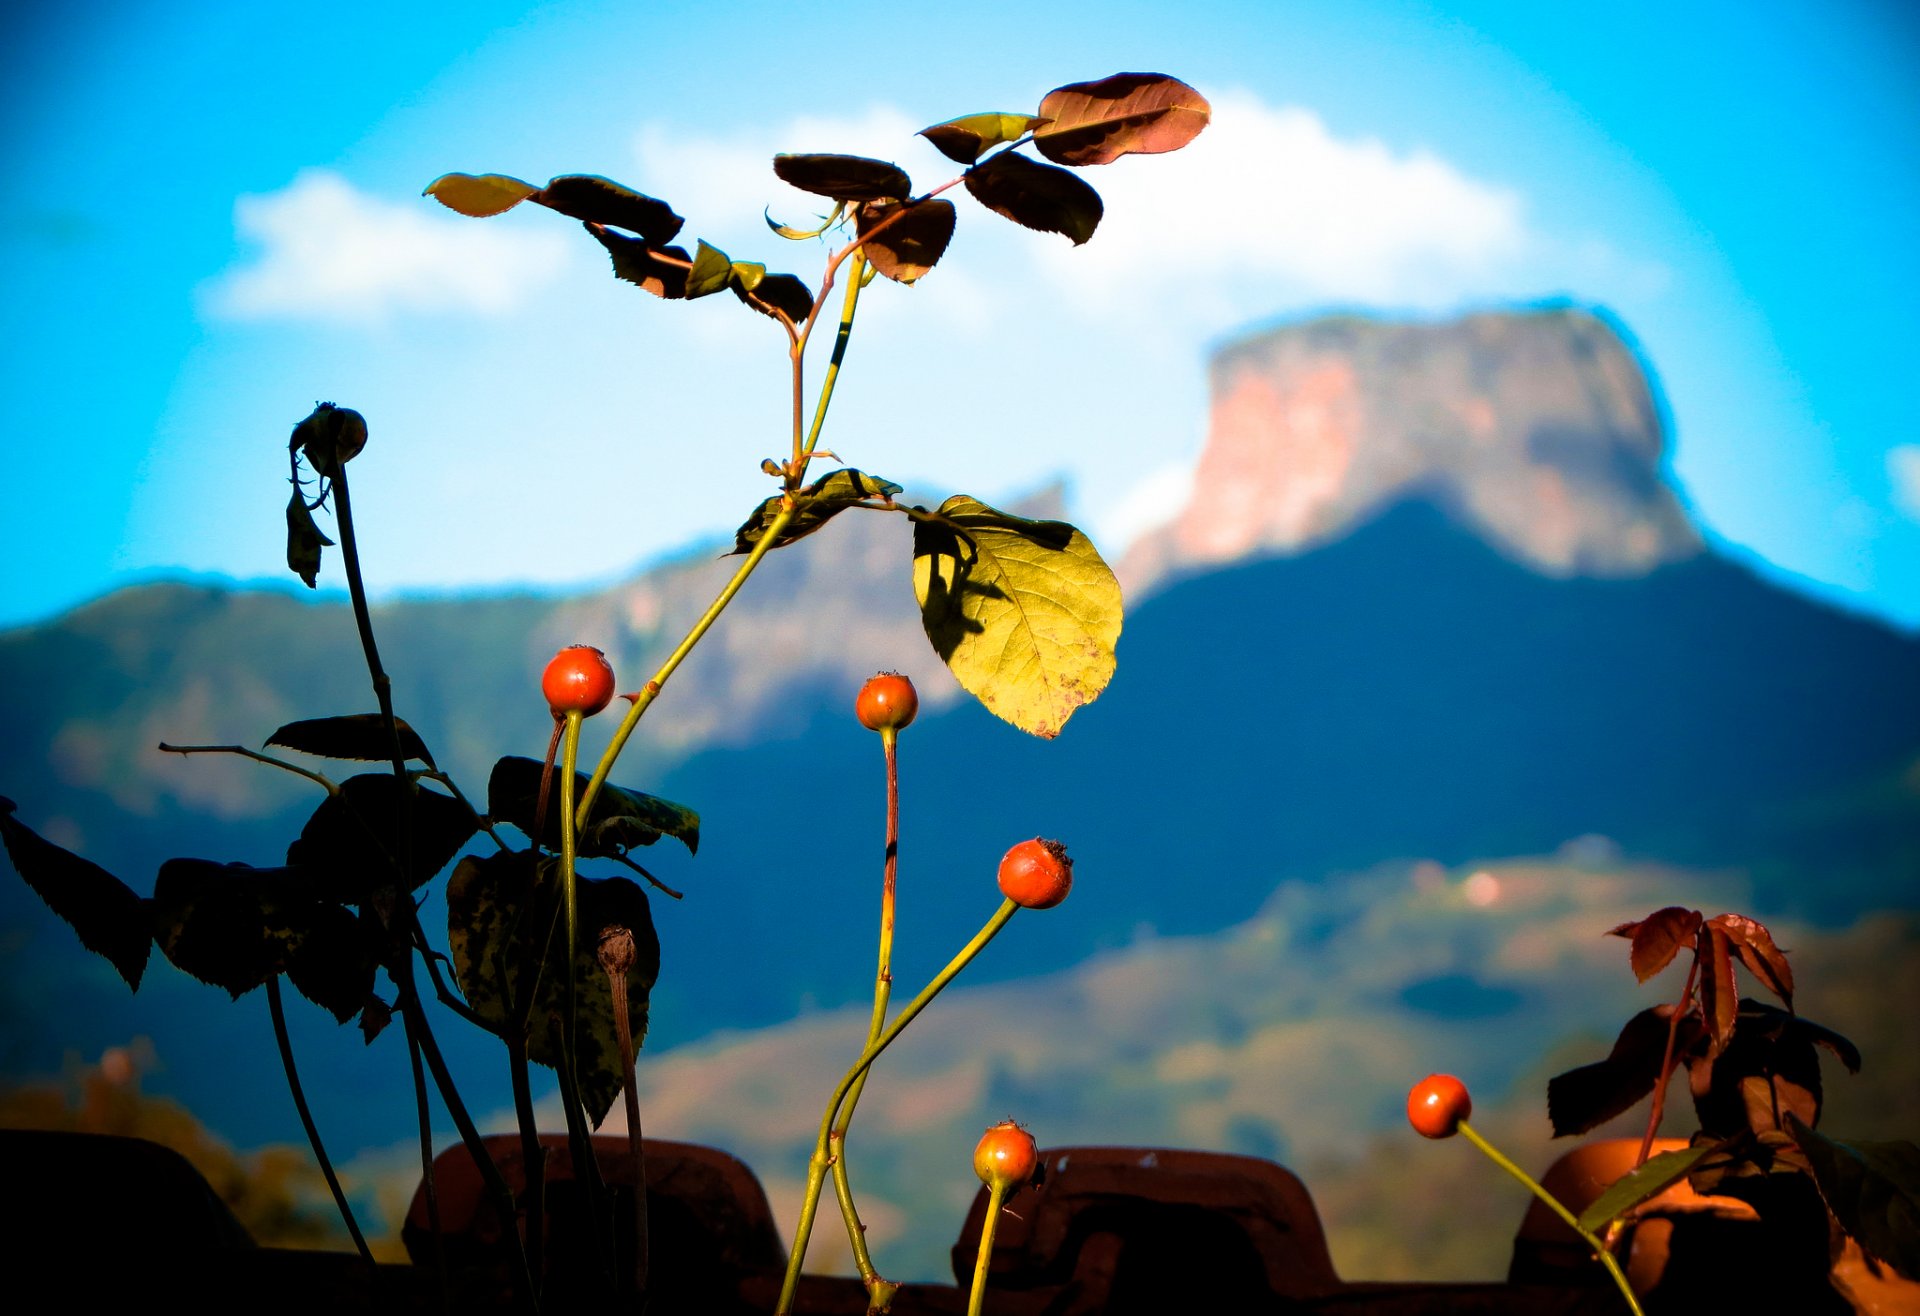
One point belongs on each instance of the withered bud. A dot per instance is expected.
(617, 951)
(331, 437)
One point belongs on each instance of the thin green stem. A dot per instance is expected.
(246, 753)
(306, 1116)
(1573, 1222)
(651, 691)
(819, 1164)
(996, 1194)
(849, 304)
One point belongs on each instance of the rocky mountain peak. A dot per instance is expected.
(1538, 429)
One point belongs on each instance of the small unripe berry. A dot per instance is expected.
(579, 679)
(1036, 874)
(1006, 1156)
(1437, 1104)
(886, 702)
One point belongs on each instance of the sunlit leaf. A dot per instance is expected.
(909, 245)
(599, 200)
(662, 272)
(712, 271)
(361, 736)
(1127, 114)
(479, 195)
(774, 295)
(795, 234)
(1037, 196)
(1764, 960)
(1873, 1190)
(965, 138)
(821, 501)
(304, 541)
(501, 926)
(1585, 1098)
(619, 820)
(235, 926)
(1651, 1179)
(1025, 613)
(843, 177)
(111, 920)
(1719, 996)
(1658, 937)
(352, 843)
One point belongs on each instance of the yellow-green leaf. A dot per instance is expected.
(1025, 613)
(964, 139)
(479, 195)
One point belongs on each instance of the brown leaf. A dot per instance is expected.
(1764, 960)
(1719, 1001)
(1584, 1098)
(637, 263)
(1126, 114)
(1658, 937)
(844, 177)
(596, 200)
(1035, 195)
(908, 247)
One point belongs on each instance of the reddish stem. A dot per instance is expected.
(546, 782)
(1666, 1068)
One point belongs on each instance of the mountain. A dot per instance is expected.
(1402, 678)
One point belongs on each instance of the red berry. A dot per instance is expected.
(1006, 1156)
(1036, 874)
(1437, 1104)
(579, 679)
(886, 702)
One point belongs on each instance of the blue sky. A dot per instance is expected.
(215, 221)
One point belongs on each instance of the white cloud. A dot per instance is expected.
(329, 251)
(1903, 470)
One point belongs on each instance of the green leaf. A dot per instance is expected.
(963, 139)
(1873, 1190)
(712, 271)
(773, 295)
(1656, 1176)
(304, 540)
(795, 234)
(639, 264)
(821, 501)
(843, 177)
(1126, 114)
(235, 926)
(599, 200)
(1025, 613)
(479, 195)
(361, 736)
(351, 844)
(910, 245)
(500, 921)
(1037, 196)
(619, 820)
(111, 920)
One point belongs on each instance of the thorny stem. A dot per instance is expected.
(306, 1116)
(426, 1167)
(1573, 1221)
(617, 954)
(246, 753)
(996, 1194)
(819, 1165)
(651, 691)
(878, 1288)
(652, 881)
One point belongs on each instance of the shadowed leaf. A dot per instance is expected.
(235, 926)
(1585, 1098)
(824, 499)
(352, 843)
(304, 540)
(909, 246)
(1024, 613)
(773, 295)
(111, 920)
(1770, 1069)
(712, 271)
(1127, 114)
(599, 200)
(1037, 196)
(639, 264)
(479, 195)
(1873, 1190)
(1656, 1176)
(620, 818)
(843, 177)
(1658, 937)
(1719, 996)
(361, 736)
(1764, 960)
(332, 963)
(965, 138)
(499, 921)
